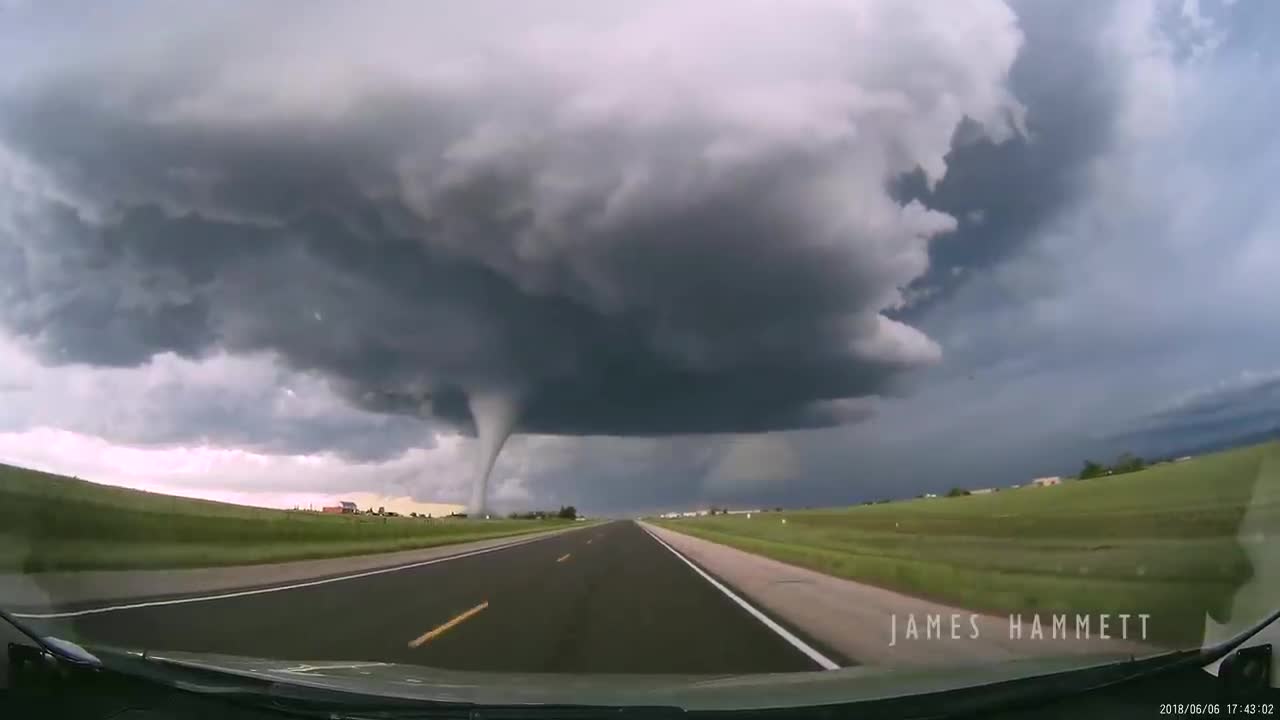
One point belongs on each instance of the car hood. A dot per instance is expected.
(700, 692)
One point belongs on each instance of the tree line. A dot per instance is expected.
(566, 512)
(1126, 463)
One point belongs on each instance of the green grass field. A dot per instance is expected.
(50, 522)
(1163, 541)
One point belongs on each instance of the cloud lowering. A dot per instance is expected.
(639, 222)
(576, 218)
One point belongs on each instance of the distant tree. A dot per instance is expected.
(1127, 462)
(1092, 469)
(957, 492)
(413, 514)
(567, 512)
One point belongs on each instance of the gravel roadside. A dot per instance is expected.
(868, 624)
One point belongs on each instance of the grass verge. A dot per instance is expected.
(1165, 541)
(50, 522)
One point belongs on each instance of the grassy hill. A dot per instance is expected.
(51, 522)
(1163, 540)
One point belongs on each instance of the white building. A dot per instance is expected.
(1046, 481)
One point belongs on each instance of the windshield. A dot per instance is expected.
(724, 338)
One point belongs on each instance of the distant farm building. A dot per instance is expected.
(332, 510)
(1046, 481)
(982, 491)
(1184, 458)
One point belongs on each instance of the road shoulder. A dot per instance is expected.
(867, 623)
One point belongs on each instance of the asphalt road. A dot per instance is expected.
(605, 599)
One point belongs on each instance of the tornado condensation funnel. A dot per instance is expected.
(495, 416)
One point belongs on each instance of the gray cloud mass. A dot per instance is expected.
(631, 251)
(1245, 408)
(956, 243)
(1004, 193)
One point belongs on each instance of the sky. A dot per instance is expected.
(740, 252)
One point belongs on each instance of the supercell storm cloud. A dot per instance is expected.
(639, 222)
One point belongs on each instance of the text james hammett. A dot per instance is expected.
(1060, 626)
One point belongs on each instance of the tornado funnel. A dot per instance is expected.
(495, 416)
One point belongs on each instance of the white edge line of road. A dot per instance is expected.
(825, 662)
(275, 588)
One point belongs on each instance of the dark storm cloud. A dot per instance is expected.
(122, 317)
(615, 260)
(1004, 193)
(247, 427)
(260, 423)
(1242, 410)
(603, 475)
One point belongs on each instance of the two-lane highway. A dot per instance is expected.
(604, 599)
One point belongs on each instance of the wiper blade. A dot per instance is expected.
(56, 648)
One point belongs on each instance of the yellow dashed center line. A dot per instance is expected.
(447, 626)
(563, 557)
